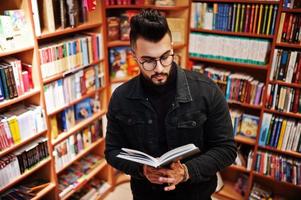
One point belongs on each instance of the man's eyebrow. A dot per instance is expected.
(154, 57)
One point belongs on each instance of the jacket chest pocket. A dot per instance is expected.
(133, 128)
(190, 127)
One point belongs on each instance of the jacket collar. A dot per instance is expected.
(183, 91)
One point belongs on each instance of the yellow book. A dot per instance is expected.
(269, 20)
(282, 132)
(259, 19)
(54, 128)
(255, 19)
(242, 19)
(14, 129)
(282, 18)
(237, 18)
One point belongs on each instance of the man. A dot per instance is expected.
(163, 108)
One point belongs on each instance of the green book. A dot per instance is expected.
(242, 18)
(237, 18)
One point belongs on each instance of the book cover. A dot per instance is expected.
(249, 125)
(83, 109)
(168, 157)
(113, 24)
(266, 121)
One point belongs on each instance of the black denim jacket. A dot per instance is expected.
(199, 115)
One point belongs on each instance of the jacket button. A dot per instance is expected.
(150, 121)
(193, 123)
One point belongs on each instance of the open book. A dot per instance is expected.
(170, 156)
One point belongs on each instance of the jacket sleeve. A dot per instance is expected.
(220, 148)
(115, 140)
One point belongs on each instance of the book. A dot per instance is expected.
(168, 157)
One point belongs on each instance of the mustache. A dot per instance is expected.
(159, 74)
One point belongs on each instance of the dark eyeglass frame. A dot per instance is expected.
(154, 61)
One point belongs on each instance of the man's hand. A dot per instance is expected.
(172, 176)
(152, 174)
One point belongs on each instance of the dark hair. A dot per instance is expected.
(150, 25)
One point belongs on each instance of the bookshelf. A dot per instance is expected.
(263, 73)
(30, 53)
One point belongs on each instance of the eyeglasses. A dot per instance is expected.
(150, 64)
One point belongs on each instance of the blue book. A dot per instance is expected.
(276, 125)
(272, 30)
(1, 90)
(83, 109)
(266, 122)
(275, 142)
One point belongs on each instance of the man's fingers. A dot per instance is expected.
(167, 180)
(170, 187)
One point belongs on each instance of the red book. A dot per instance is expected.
(285, 27)
(247, 19)
(252, 18)
(296, 100)
(25, 80)
(28, 68)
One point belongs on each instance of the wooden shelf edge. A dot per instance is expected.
(295, 85)
(242, 34)
(287, 114)
(228, 191)
(26, 173)
(40, 194)
(276, 181)
(88, 177)
(292, 10)
(118, 43)
(242, 1)
(22, 143)
(24, 96)
(63, 74)
(286, 152)
(68, 30)
(81, 154)
(14, 51)
(247, 105)
(120, 80)
(89, 94)
(77, 127)
(229, 63)
(288, 45)
(245, 140)
(122, 178)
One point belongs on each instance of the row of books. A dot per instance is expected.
(26, 190)
(237, 87)
(244, 124)
(248, 18)
(20, 123)
(286, 66)
(289, 28)
(291, 4)
(122, 62)
(77, 173)
(14, 30)
(61, 92)
(69, 117)
(119, 26)
(281, 133)
(13, 165)
(283, 98)
(67, 150)
(67, 54)
(279, 167)
(229, 48)
(92, 190)
(60, 14)
(15, 78)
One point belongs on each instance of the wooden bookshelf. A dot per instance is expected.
(75, 101)
(60, 31)
(245, 140)
(290, 153)
(278, 182)
(162, 8)
(245, 105)
(15, 51)
(240, 1)
(43, 192)
(289, 45)
(23, 97)
(120, 80)
(81, 154)
(87, 178)
(286, 114)
(118, 43)
(228, 192)
(291, 10)
(294, 85)
(22, 143)
(234, 64)
(27, 173)
(239, 34)
(63, 74)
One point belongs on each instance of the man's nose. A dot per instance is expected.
(159, 67)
